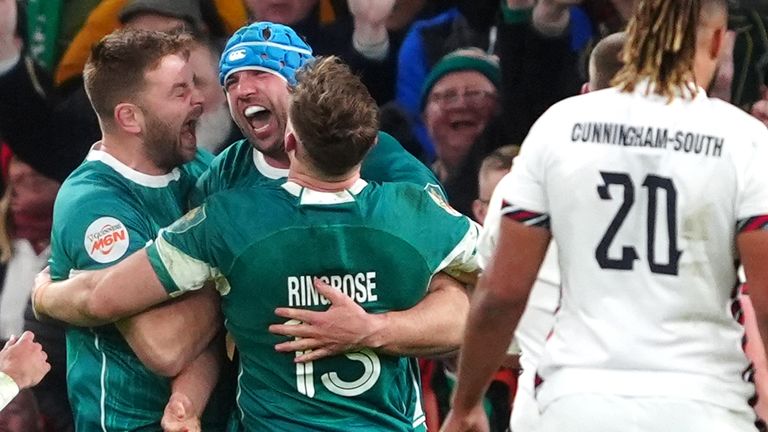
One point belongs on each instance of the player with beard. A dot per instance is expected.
(257, 70)
(258, 66)
(133, 182)
(375, 260)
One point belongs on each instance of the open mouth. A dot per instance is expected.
(188, 128)
(459, 125)
(258, 117)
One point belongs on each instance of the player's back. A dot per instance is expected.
(378, 244)
(644, 198)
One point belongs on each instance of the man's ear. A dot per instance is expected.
(717, 43)
(289, 141)
(129, 118)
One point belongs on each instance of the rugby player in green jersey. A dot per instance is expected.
(375, 245)
(259, 87)
(257, 68)
(134, 181)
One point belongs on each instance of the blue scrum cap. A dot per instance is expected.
(266, 47)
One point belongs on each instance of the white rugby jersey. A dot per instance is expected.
(644, 200)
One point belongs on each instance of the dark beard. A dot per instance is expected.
(160, 143)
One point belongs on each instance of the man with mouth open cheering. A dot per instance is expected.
(133, 182)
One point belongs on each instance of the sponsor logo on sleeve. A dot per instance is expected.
(436, 194)
(106, 240)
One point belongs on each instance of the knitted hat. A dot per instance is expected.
(464, 59)
(266, 47)
(187, 10)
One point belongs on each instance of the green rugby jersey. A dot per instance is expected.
(240, 165)
(105, 211)
(379, 244)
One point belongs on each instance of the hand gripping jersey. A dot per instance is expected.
(378, 244)
(644, 199)
(104, 212)
(241, 165)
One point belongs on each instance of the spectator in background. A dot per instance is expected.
(494, 166)
(458, 100)
(361, 40)
(214, 19)
(26, 212)
(425, 43)
(215, 129)
(52, 131)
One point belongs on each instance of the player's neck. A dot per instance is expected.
(277, 163)
(309, 180)
(130, 152)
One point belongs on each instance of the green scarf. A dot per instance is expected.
(43, 18)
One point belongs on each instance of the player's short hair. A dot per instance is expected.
(499, 159)
(333, 115)
(605, 61)
(115, 71)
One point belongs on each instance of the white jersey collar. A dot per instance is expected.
(152, 181)
(310, 196)
(645, 86)
(266, 169)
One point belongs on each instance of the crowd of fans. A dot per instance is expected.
(459, 83)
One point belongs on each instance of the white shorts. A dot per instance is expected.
(613, 413)
(525, 412)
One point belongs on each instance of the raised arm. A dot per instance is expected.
(433, 326)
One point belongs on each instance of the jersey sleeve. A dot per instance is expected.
(95, 230)
(489, 233)
(388, 161)
(182, 255)
(523, 197)
(450, 239)
(752, 202)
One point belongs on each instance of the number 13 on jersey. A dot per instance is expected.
(305, 374)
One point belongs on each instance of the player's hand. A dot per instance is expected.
(551, 17)
(474, 420)
(24, 360)
(178, 415)
(344, 327)
(42, 281)
(371, 11)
